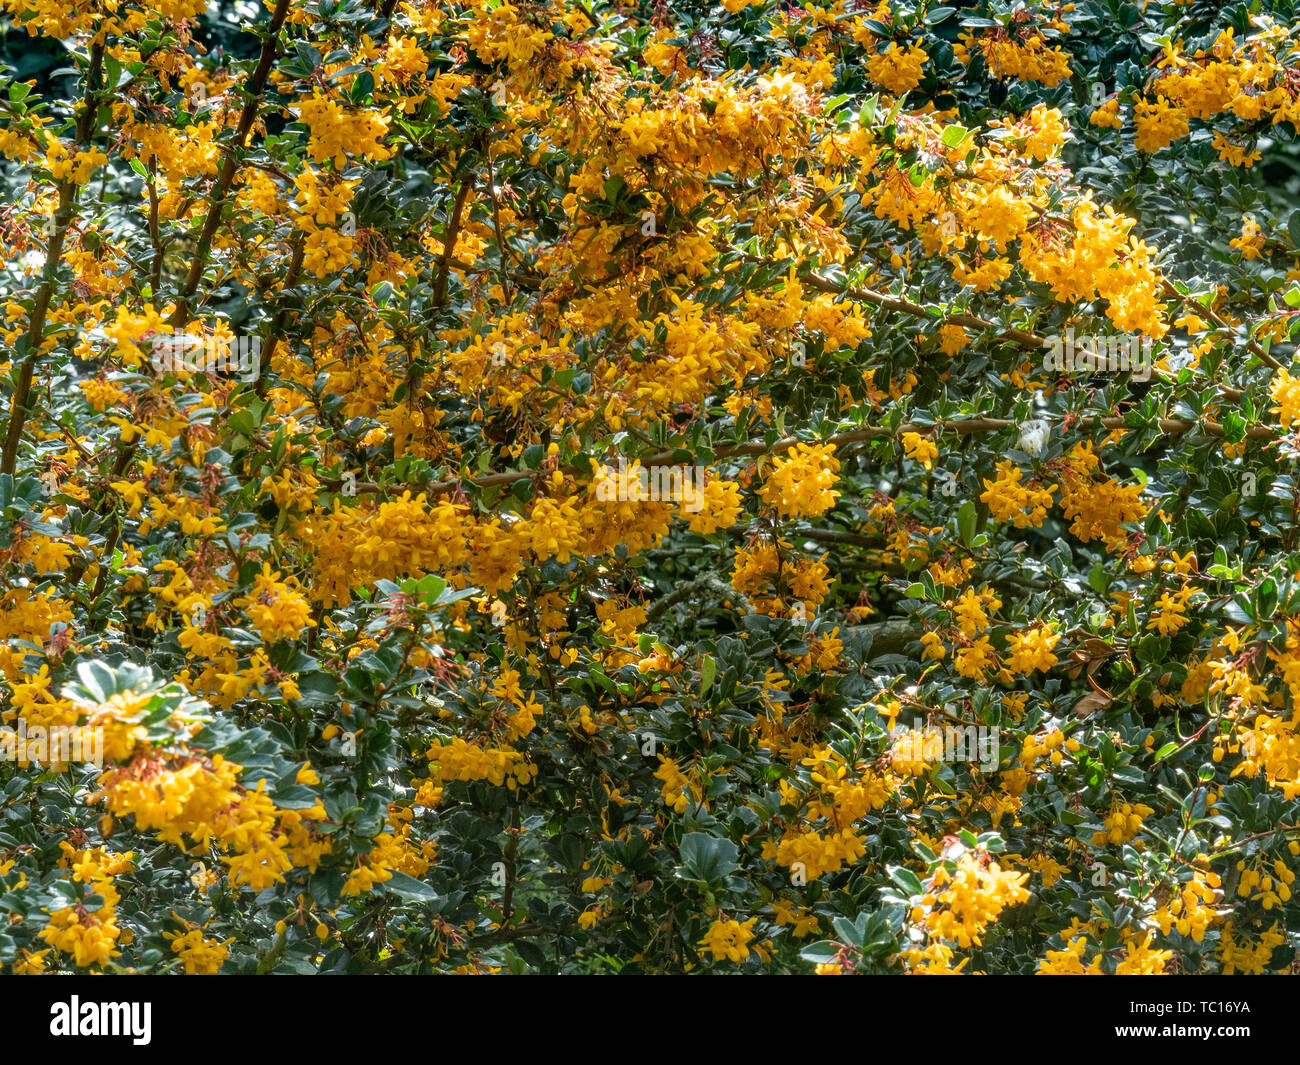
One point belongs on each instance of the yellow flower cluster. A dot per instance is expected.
(1107, 116)
(1096, 505)
(801, 484)
(919, 449)
(277, 608)
(914, 751)
(801, 920)
(376, 866)
(1271, 746)
(1172, 613)
(1031, 649)
(1191, 910)
(1048, 745)
(1045, 131)
(1246, 79)
(90, 937)
(319, 211)
(812, 854)
(1157, 124)
(1122, 823)
(1271, 886)
(971, 608)
(1029, 59)
(934, 959)
(959, 907)
(729, 940)
(337, 132)
(1025, 506)
(458, 760)
(802, 580)
(898, 69)
(1285, 390)
(843, 794)
(1238, 956)
(1069, 960)
(199, 955)
(675, 786)
(203, 799)
(1141, 958)
(76, 167)
(1099, 259)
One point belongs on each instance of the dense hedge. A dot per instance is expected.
(649, 487)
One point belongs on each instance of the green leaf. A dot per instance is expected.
(362, 87)
(409, 888)
(967, 516)
(821, 952)
(708, 858)
(431, 587)
(307, 54)
(954, 135)
(1098, 580)
(1266, 598)
(906, 879)
(708, 671)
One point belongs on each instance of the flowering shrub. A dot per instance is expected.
(389, 671)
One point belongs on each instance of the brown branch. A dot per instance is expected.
(496, 224)
(155, 234)
(449, 240)
(256, 85)
(1026, 340)
(230, 167)
(837, 536)
(526, 931)
(281, 317)
(1191, 303)
(1250, 839)
(691, 592)
(525, 280)
(35, 336)
(964, 426)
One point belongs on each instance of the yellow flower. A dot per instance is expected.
(801, 482)
(952, 338)
(1123, 823)
(1107, 115)
(898, 69)
(199, 956)
(1158, 123)
(968, 902)
(1031, 649)
(729, 940)
(1285, 389)
(920, 449)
